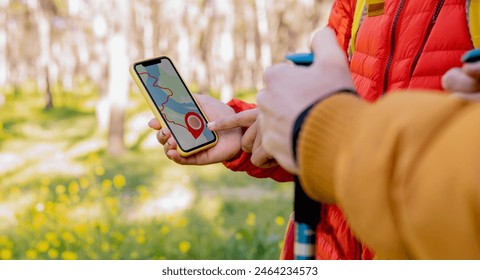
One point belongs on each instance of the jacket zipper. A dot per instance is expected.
(392, 47)
(429, 30)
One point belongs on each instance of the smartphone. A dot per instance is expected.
(173, 104)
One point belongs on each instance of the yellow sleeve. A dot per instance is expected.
(405, 171)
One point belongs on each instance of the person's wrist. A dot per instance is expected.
(304, 114)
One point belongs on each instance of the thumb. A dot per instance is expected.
(325, 46)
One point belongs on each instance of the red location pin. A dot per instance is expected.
(194, 123)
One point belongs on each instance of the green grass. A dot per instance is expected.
(63, 197)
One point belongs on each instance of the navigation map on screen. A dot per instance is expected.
(175, 104)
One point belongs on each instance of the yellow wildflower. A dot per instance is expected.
(84, 183)
(134, 255)
(68, 237)
(31, 254)
(59, 189)
(38, 220)
(140, 239)
(117, 236)
(184, 246)
(106, 185)
(73, 187)
(143, 191)
(63, 198)
(45, 181)
(50, 207)
(182, 222)
(251, 219)
(5, 254)
(103, 228)
(99, 170)
(93, 159)
(43, 246)
(112, 203)
(105, 247)
(119, 181)
(52, 253)
(51, 236)
(165, 230)
(80, 229)
(6, 242)
(68, 255)
(279, 221)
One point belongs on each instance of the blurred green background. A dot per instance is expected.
(81, 174)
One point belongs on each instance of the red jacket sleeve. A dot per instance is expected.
(242, 161)
(340, 20)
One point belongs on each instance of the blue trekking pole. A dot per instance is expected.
(471, 56)
(307, 211)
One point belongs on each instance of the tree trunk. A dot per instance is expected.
(205, 44)
(3, 47)
(226, 23)
(265, 52)
(118, 79)
(3, 43)
(116, 143)
(144, 15)
(48, 92)
(43, 76)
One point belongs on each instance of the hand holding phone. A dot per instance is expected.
(173, 105)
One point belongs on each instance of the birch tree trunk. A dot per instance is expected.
(226, 48)
(144, 13)
(43, 27)
(205, 44)
(118, 78)
(262, 24)
(3, 45)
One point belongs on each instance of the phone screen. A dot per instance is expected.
(175, 103)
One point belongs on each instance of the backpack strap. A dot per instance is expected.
(473, 18)
(360, 12)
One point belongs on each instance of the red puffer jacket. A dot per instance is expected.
(411, 45)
